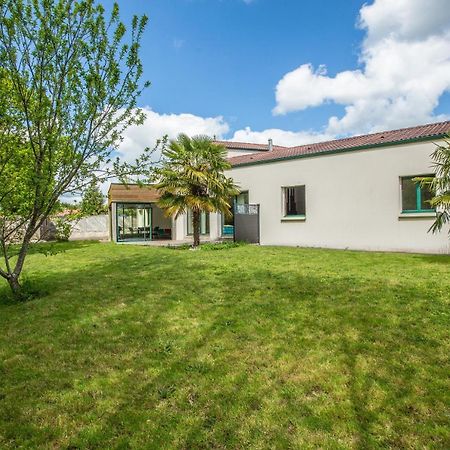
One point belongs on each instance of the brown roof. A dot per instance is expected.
(132, 193)
(66, 212)
(248, 146)
(404, 135)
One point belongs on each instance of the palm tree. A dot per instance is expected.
(440, 185)
(192, 177)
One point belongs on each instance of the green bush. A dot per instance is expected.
(222, 245)
(63, 229)
(210, 246)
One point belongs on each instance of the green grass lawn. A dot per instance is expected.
(246, 347)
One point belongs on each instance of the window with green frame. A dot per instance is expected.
(294, 201)
(204, 223)
(415, 198)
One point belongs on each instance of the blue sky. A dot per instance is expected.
(225, 57)
(298, 70)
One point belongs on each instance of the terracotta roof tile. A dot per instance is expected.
(435, 130)
(248, 146)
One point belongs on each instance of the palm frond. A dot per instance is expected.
(440, 185)
(442, 218)
(191, 176)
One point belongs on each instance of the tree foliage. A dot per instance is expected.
(440, 185)
(69, 85)
(93, 201)
(192, 177)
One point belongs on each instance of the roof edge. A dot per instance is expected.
(336, 151)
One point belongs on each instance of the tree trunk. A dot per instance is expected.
(196, 227)
(12, 276)
(15, 286)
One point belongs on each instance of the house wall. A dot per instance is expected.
(353, 200)
(112, 222)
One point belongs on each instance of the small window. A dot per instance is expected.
(294, 201)
(415, 198)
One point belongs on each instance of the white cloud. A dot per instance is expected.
(280, 137)
(405, 61)
(404, 19)
(405, 68)
(136, 138)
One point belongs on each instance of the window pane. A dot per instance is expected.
(133, 221)
(190, 226)
(229, 219)
(242, 198)
(409, 195)
(426, 196)
(295, 201)
(204, 223)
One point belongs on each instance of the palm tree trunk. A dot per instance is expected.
(196, 227)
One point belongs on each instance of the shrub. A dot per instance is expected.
(63, 228)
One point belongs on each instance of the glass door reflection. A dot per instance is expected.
(134, 222)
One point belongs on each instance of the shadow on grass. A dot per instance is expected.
(187, 347)
(435, 259)
(33, 290)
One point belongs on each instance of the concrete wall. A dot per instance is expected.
(353, 200)
(92, 227)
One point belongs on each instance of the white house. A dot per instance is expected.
(353, 193)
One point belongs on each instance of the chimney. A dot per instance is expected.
(270, 145)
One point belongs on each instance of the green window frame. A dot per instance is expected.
(294, 201)
(414, 196)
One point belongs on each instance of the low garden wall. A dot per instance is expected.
(92, 227)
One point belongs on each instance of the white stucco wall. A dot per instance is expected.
(353, 200)
(215, 226)
(179, 228)
(112, 222)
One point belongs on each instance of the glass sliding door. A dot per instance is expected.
(134, 222)
(204, 223)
